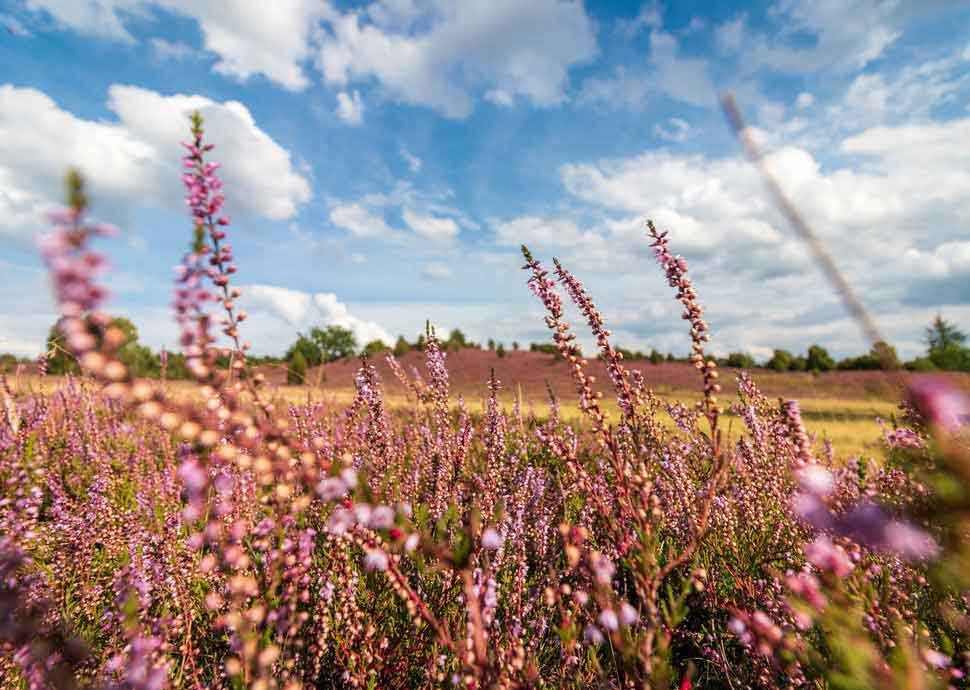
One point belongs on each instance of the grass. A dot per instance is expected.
(849, 423)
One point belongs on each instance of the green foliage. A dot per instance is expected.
(296, 369)
(139, 359)
(456, 341)
(308, 350)
(945, 346)
(500, 350)
(374, 348)
(881, 356)
(656, 357)
(401, 347)
(739, 360)
(9, 362)
(781, 360)
(334, 342)
(818, 359)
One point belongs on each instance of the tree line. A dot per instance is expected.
(946, 350)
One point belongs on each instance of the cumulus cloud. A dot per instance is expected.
(466, 46)
(432, 227)
(893, 211)
(136, 159)
(171, 50)
(666, 71)
(841, 40)
(269, 39)
(350, 107)
(674, 129)
(359, 221)
(302, 310)
(436, 272)
(426, 213)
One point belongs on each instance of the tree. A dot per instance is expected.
(334, 342)
(655, 356)
(296, 369)
(740, 360)
(515, 345)
(945, 346)
(374, 348)
(401, 347)
(139, 359)
(781, 360)
(884, 355)
(941, 334)
(500, 350)
(818, 359)
(456, 340)
(491, 344)
(307, 349)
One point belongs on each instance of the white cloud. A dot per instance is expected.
(359, 221)
(414, 163)
(667, 72)
(894, 218)
(169, 50)
(350, 108)
(467, 45)
(674, 129)
(137, 159)
(303, 310)
(432, 227)
(266, 38)
(804, 100)
(843, 40)
(436, 271)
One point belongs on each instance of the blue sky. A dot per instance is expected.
(385, 159)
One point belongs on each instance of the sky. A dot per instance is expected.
(384, 160)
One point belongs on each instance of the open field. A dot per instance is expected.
(844, 407)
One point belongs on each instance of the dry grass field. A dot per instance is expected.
(843, 407)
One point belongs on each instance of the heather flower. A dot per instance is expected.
(375, 559)
(828, 557)
(603, 569)
(381, 517)
(331, 488)
(941, 405)
(491, 539)
(609, 620)
(592, 634)
(628, 614)
(816, 480)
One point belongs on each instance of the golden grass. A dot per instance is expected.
(850, 423)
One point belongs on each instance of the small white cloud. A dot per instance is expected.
(303, 310)
(359, 221)
(804, 100)
(675, 130)
(350, 107)
(414, 163)
(169, 50)
(432, 227)
(436, 272)
(500, 97)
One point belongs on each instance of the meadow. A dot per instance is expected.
(446, 520)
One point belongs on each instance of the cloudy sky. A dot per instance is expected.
(384, 160)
